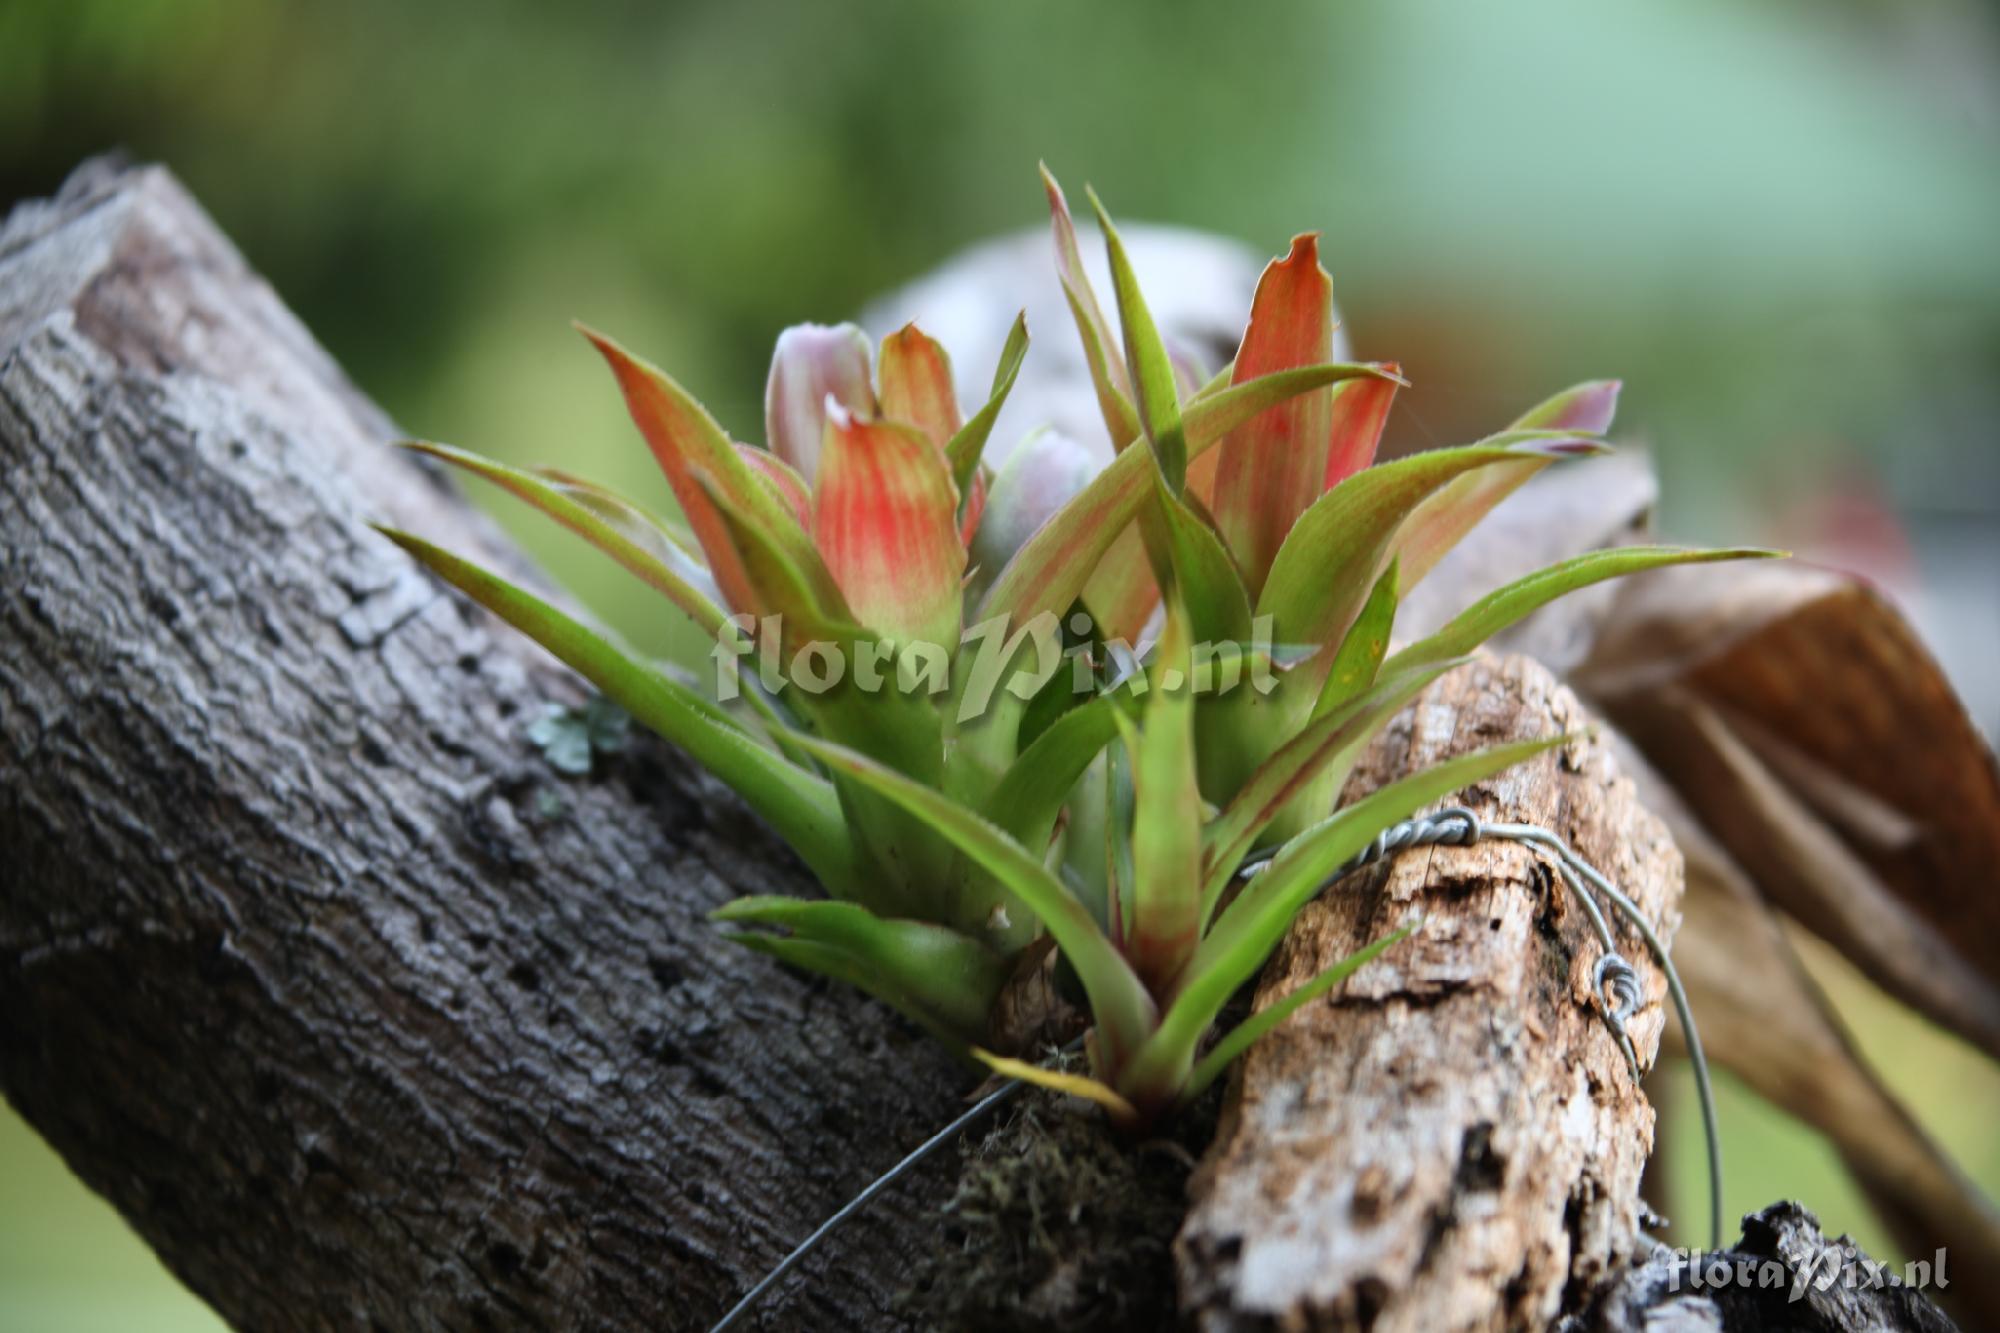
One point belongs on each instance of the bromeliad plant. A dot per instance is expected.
(965, 807)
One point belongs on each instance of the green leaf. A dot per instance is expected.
(1122, 591)
(951, 976)
(844, 967)
(1120, 875)
(965, 447)
(1443, 519)
(1212, 415)
(1245, 1034)
(1328, 565)
(1080, 861)
(796, 587)
(1107, 372)
(1050, 569)
(1234, 729)
(688, 445)
(1205, 578)
(899, 728)
(1035, 787)
(801, 807)
(677, 551)
(1357, 665)
(1587, 408)
(1521, 598)
(1146, 360)
(1332, 740)
(1118, 1001)
(1359, 660)
(1165, 924)
(648, 527)
(593, 516)
(1250, 929)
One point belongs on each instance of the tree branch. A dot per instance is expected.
(351, 1004)
(364, 1016)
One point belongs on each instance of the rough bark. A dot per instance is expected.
(365, 1016)
(1452, 1141)
(355, 1008)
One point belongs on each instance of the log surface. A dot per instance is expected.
(1451, 1140)
(359, 1011)
(364, 1016)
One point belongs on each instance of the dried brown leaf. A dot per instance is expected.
(1798, 715)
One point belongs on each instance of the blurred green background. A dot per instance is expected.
(1777, 222)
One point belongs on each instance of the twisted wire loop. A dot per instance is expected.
(1614, 979)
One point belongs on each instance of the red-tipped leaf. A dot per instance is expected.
(1100, 347)
(1050, 570)
(884, 515)
(689, 446)
(1274, 465)
(1360, 411)
(915, 385)
(1324, 571)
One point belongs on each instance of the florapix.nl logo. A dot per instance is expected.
(1837, 1264)
(990, 656)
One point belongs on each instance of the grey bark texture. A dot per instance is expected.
(357, 1010)
(366, 1017)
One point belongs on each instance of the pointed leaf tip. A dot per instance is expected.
(1107, 369)
(1147, 364)
(916, 385)
(686, 441)
(1274, 465)
(1588, 407)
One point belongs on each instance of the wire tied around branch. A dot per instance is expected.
(1614, 979)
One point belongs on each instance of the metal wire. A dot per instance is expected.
(860, 1201)
(1614, 978)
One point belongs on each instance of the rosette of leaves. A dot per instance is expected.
(964, 807)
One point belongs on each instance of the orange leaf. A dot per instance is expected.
(916, 385)
(688, 446)
(1360, 410)
(1274, 465)
(885, 516)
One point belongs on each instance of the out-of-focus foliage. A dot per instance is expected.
(1775, 221)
